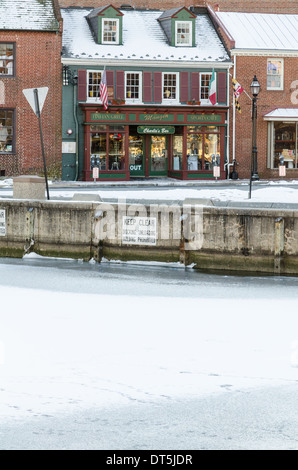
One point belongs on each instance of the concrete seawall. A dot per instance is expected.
(210, 238)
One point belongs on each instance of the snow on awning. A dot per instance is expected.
(282, 114)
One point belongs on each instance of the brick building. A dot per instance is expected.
(266, 6)
(266, 46)
(30, 57)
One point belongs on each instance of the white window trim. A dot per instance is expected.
(282, 75)
(88, 98)
(134, 100)
(206, 101)
(169, 100)
(176, 34)
(117, 31)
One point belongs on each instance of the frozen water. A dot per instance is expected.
(113, 355)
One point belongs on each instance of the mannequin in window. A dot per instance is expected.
(193, 149)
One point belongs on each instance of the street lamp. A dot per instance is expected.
(255, 89)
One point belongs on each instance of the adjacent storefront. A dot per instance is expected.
(282, 138)
(124, 144)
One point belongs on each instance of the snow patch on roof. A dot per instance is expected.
(143, 39)
(34, 15)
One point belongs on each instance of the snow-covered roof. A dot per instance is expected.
(143, 39)
(33, 15)
(261, 30)
(282, 114)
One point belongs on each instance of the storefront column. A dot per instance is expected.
(184, 154)
(86, 169)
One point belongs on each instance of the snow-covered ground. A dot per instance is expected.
(164, 189)
(78, 341)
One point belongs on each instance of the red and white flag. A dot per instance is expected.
(212, 89)
(104, 90)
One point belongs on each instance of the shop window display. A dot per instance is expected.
(285, 144)
(107, 148)
(203, 147)
(177, 152)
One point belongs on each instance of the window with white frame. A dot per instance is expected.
(7, 60)
(204, 87)
(183, 33)
(93, 85)
(110, 31)
(7, 131)
(133, 86)
(170, 87)
(275, 74)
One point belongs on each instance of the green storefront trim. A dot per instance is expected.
(111, 176)
(203, 118)
(198, 176)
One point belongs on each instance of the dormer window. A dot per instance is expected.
(183, 34)
(179, 25)
(110, 31)
(106, 25)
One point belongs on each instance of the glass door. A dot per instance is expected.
(158, 156)
(136, 155)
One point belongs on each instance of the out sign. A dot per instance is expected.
(2, 223)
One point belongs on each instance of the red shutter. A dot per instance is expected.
(221, 87)
(195, 86)
(82, 85)
(120, 85)
(147, 87)
(184, 87)
(157, 87)
(110, 77)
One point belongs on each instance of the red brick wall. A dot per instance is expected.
(267, 101)
(265, 6)
(38, 64)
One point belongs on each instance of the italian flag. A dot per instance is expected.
(212, 89)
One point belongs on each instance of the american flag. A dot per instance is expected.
(104, 90)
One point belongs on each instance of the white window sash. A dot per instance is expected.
(170, 100)
(106, 20)
(140, 98)
(93, 99)
(281, 75)
(177, 25)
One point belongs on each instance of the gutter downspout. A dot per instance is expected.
(75, 85)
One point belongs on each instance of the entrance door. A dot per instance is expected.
(158, 164)
(136, 155)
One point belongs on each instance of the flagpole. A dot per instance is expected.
(234, 117)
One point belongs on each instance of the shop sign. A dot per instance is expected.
(156, 130)
(139, 230)
(108, 117)
(135, 167)
(204, 118)
(2, 223)
(156, 117)
(68, 147)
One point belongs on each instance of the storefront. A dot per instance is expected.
(183, 144)
(282, 138)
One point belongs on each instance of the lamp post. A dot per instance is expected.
(255, 89)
